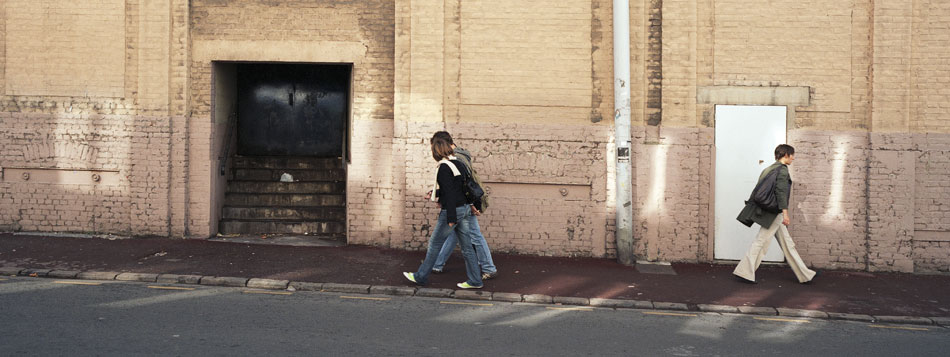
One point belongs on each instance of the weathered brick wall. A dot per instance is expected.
(672, 195)
(829, 197)
(130, 85)
(932, 203)
(355, 32)
(931, 62)
(369, 193)
(547, 186)
(789, 37)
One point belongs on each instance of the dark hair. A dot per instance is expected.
(783, 150)
(440, 149)
(444, 135)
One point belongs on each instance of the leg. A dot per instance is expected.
(481, 248)
(464, 233)
(436, 241)
(446, 252)
(798, 266)
(750, 262)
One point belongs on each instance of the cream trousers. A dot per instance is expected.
(750, 262)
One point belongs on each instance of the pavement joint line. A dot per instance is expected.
(900, 328)
(779, 319)
(670, 314)
(267, 292)
(169, 287)
(570, 308)
(466, 303)
(75, 282)
(365, 298)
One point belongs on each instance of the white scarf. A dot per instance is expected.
(455, 171)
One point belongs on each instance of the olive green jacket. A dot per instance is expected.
(466, 158)
(783, 189)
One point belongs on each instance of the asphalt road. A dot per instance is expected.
(61, 317)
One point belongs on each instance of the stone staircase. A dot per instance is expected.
(257, 202)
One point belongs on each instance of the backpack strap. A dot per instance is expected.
(455, 170)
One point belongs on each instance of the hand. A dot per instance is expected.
(428, 195)
(785, 219)
(451, 224)
(475, 211)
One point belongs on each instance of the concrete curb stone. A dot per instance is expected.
(10, 271)
(346, 288)
(670, 306)
(223, 281)
(39, 273)
(850, 317)
(178, 279)
(97, 275)
(391, 290)
(439, 293)
(269, 284)
(941, 321)
(802, 313)
(148, 278)
(64, 274)
(538, 299)
(622, 304)
(570, 300)
(461, 294)
(305, 286)
(473, 294)
(904, 320)
(758, 310)
(507, 297)
(718, 308)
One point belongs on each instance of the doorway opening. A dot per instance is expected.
(746, 137)
(284, 149)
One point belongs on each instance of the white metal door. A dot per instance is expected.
(746, 137)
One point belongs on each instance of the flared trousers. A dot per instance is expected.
(750, 262)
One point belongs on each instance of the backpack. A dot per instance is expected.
(472, 190)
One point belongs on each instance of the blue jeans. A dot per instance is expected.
(442, 230)
(481, 249)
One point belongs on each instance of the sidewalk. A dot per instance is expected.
(877, 294)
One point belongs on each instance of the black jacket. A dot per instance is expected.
(450, 192)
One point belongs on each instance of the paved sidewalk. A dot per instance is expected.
(696, 285)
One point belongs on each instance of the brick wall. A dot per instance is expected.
(124, 90)
(547, 186)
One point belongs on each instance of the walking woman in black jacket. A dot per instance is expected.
(455, 216)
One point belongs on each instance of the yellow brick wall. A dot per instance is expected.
(59, 48)
(930, 96)
(519, 56)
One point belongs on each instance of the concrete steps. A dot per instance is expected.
(256, 202)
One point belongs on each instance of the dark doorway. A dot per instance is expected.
(292, 109)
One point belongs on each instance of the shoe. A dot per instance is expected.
(812, 278)
(489, 276)
(744, 280)
(411, 277)
(466, 285)
(436, 271)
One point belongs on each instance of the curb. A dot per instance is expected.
(480, 295)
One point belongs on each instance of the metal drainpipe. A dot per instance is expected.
(623, 192)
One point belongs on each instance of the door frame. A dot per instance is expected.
(710, 96)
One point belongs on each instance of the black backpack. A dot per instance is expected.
(472, 190)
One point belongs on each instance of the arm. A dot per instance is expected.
(446, 179)
(783, 192)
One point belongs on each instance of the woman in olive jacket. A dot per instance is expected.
(773, 224)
